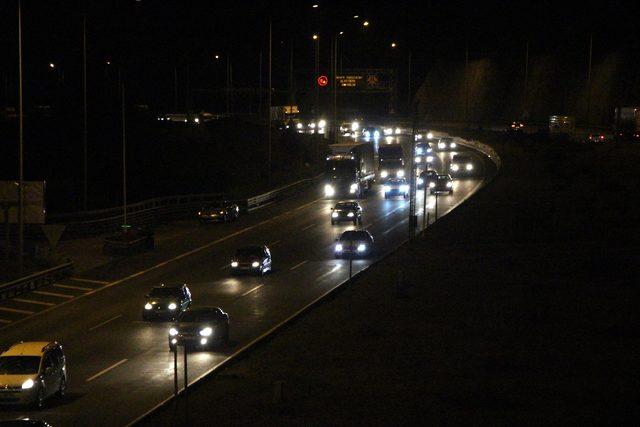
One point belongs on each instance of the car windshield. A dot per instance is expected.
(217, 205)
(19, 365)
(164, 292)
(353, 235)
(396, 182)
(249, 252)
(461, 159)
(198, 316)
(344, 165)
(346, 206)
(443, 178)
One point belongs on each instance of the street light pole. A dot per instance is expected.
(84, 104)
(334, 71)
(409, 85)
(589, 81)
(124, 159)
(269, 99)
(21, 147)
(317, 73)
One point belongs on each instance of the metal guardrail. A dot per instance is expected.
(259, 200)
(34, 281)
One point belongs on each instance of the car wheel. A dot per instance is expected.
(63, 388)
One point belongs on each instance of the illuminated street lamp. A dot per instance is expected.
(52, 65)
(229, 81)
(315, 6)
(393, 45)
(315, 37)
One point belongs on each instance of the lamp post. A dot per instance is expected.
(316, 39)
(228, 81)
(20, 147)
(394, 45)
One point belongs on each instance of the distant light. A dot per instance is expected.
(365, 23)
(341, 32)
(108, 62)
(52, 65)
(315, 37)
(393, 44)
(217, 56)
(315, 6)
(356, 16)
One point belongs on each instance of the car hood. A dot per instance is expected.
(248, 258)
(15, 380)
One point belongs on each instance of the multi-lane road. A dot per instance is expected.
(119, 367)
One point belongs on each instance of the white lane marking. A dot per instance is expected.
(5, 321)
(104, 371)
(333, 270)
(30, 301)
(224, 267)
(77, 288)
(53, 294)
(252, 290)
(308, 227)
(299, 265)
(97, 282)
(274, 243)
(394, 227)
(15, 310)
(105, 322)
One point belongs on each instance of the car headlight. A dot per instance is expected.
(148, 306)
(234, 264)
(429, 135)
(453, 145)
(469, 166)
(386, 188)
(206, 332)
(376, 134)
(432, 185)
(172, 306)
(312, 125)
(28, 384)
(442, 145)
(350, 214)
(429, 159)
(203, 341)
(367, 133)
(449, 184)
(329, 190)
(299, 126)
(355, 126)
(384, 174)
(334, 215)
(173, 332)
(255, 264)
(398, 131)
(199, 212)
(418, 159)
(419, 151)
(455, 167)
(353, 188)
(338, 247)
(400, 173)
(362, 247)
(420, 181)
(388, 131)
(322, 124)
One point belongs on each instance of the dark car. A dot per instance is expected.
(462, 164)
(346, 211)
(166, 302)
(516, 127)
(354, 243)
(371, 132)
(224, 211)
(200, 327)
(445, 143)
(396, 187)
(129, 239)
(442, 184)
(424, 153)
(251, 259)
(426, 177)
(596, 138)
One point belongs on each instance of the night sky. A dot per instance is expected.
(149, 38)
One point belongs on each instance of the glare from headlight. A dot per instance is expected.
(367, 133)
(362, 247)
(400, 173)
(404, 188)
(329, 190)
(197, 120)
(442, 145)
(299, 126)
(312, 125)
(455, 167)
(429, 159)
(322, 124)
(398, 131)
(172, 306)
(203, 341)
(173, 332)
(28, 384)
(350, 214)
(148, 306)
(234, 264)
(174, 341)
(355, 126)
(469, 166)
(449, 184)
(418, 137)
(255, 264)
(376, 134)
(384, 174)
(386, 188)
(338, 247)
(432, 185)
(388, 131)
(419, 151)
(429, 135)
(418, 159)
(206, 332)
(353, 188)
(334, 215)
(420, 181)
(453, 145)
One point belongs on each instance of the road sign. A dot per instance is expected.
(323, 81)
(34, 207)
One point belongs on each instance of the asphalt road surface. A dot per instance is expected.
(119, 367)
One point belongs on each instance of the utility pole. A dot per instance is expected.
(228, 84)
(21, 148)
(269, 100)
(291, 78)
(84, 104)
(334, 83)
(124, 159)
(466, 83)
(588, 121)
(526, 77)
(409, 86)
(317, 74)
(175, 88)
(260, 85)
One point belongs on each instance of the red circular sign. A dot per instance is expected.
(323, 81)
